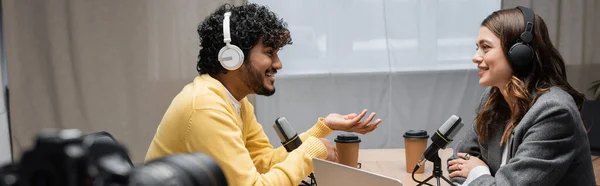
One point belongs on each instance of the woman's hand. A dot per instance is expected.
(351, 122)
(463, 165)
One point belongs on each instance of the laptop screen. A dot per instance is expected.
(333, 174)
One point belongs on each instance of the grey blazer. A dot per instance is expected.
(548, 147)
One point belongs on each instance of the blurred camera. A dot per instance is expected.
(69, 158)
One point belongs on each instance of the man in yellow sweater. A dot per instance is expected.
(212, 115)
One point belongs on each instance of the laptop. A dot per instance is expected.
(334, 174)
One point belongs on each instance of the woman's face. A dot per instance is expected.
(494, 68)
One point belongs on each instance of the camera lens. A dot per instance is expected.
(180, 169)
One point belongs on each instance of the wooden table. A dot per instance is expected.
(392, 163)
(596, 163)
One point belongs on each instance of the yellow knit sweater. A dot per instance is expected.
(201, 118)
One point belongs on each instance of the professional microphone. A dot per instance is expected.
(442, 137)
(289, 138)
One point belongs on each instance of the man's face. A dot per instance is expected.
(259, 72)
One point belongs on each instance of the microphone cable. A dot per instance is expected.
(413, 176)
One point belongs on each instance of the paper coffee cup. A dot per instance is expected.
(415, 143)
(347, 146)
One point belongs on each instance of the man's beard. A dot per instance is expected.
(255, 81)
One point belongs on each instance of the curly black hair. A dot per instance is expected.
(249, 23)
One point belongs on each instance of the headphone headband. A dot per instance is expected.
(226, 35)
(528, 19)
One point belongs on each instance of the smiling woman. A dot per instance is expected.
(529, 119)
(495, 71)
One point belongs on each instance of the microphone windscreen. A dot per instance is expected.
(449, 125)
(286, 132)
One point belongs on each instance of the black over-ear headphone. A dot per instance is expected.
(521, 54)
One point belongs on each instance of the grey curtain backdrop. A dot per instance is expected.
(108, 65)
(5, 155)
(115, 65)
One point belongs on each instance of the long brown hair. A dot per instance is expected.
(548, 70)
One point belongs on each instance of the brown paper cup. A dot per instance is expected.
(415, 143)
(347, 146)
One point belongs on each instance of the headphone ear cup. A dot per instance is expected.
(231, 57)
(520, 56)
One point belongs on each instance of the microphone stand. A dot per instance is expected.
(437, 171)
(313, 181)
